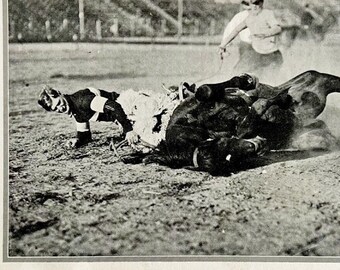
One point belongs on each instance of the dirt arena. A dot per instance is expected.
(85, 202)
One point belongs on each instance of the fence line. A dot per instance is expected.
(100, 19)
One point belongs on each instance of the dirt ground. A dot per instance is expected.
(86, 202)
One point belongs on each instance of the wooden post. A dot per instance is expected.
(196, 27)
(148, 23)
(212, 29)
(81, 20)
(132, 27)
(48, 30)
(30, 29)
(65, 24)
(98, 29)
(12, 30)
(163, 28)
(114, 29)
(30, 24)
(180, 18)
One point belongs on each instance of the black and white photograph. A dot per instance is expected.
(171, 130)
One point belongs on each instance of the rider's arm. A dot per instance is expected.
(83, 135)
(238, 18)
(116, 112)
(229, 37)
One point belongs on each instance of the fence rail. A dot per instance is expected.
(105, 20)
(43, 20)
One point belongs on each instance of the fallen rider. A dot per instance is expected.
(142, 116)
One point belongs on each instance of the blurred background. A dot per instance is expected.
(155, 20)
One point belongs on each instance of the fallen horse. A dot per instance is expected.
(226, 124)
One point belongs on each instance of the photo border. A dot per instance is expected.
(84, 259)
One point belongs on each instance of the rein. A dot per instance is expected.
(218, 71)
(114, 147)
(212, 75)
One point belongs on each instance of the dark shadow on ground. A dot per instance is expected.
(279, 156)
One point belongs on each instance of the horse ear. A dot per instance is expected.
(46, 88)
(44, 99)
(50, 91)
(165, 88)
(171, 89)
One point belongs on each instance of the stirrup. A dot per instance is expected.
(258, 144)
(184, 91)
(181, 91)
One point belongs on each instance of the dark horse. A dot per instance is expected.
(225, 124)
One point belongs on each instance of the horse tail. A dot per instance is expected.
(165, 155)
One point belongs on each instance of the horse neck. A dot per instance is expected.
(324, 83)
(332, 84)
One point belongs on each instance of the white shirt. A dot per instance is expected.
(258, 24)
(234, 22)
(141, 108)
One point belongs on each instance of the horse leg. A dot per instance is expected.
(283, 100)
(218, 91)
(320, 84)
(244, 82)
(178, 148)
(226, 154)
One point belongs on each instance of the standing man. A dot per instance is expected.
(245, 39)
(263, 28)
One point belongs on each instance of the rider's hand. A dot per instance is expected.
(72, 143)
(131, 137)
(260, 35)
(221, 51)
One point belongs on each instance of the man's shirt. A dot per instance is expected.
(149, 112)
(260, 24)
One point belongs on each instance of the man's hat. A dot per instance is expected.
(45, 97)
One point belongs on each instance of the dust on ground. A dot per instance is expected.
(86, 202)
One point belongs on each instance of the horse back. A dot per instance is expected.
(182, 110)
